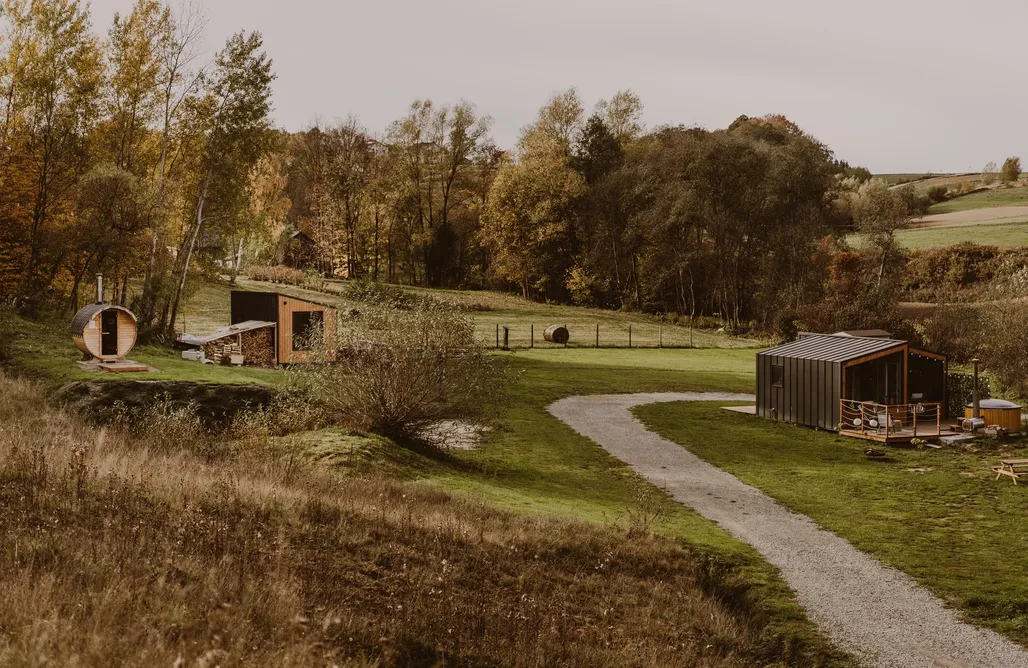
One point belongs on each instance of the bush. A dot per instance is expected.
(399, 372)
(1011, 169)
(938, 193)
(286, 276)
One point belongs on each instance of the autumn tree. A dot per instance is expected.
(233, 131)
(879, 213)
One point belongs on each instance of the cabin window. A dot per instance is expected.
(777, 375)
(308, 327)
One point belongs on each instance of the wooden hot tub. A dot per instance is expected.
(1006, 414)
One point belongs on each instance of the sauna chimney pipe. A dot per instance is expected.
(976, 399)
(99, 288)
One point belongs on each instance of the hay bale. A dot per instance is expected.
(557, 334)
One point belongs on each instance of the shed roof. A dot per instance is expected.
(249, 325)
(87, 313)
(833, 347)
(282, 294)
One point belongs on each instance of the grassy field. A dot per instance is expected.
(43, 350)
(938, 515)
(983, 200)
(1004, 235)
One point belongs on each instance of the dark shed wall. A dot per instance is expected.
(811, 393)
(254, 306)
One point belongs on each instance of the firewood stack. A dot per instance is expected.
(259, 347)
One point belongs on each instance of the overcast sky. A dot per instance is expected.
(897, 86)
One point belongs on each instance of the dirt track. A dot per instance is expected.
(877, 612)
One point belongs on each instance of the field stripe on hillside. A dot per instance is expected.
(877, 612)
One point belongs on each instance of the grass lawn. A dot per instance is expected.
(43, 350)
(983, 200)
(952, 526)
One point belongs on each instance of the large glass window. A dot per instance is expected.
(308, 328)
(777, 375)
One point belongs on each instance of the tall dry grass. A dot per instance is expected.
(119, 550)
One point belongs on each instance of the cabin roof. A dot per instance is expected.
(87, 313)
(279, 294)
(833, 347)
(232, 330)
(866, 333)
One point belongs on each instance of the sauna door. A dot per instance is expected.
(109, 333)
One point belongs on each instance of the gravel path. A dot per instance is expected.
(872, 610)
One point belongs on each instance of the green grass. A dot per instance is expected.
(1004, 235)
(984, 200)
(43, 350)
(953, 528)
(533, 463)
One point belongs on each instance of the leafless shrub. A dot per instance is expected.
(400, 371)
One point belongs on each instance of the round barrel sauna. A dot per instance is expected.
(557, 334)
(1006, 414)
(104, 331)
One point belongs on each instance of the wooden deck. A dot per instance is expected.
(892, 423)
(901, 435)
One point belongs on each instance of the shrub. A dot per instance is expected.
(286, 276)
(1011, 169)
(399, 372)
(938, 193)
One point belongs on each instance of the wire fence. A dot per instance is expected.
(597, 335)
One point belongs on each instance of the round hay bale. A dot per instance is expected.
(557, 334)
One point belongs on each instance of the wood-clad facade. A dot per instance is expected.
(104, 331)
(305, 331)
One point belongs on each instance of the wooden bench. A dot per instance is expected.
(1015, 468)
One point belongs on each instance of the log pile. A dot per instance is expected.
(257, 347)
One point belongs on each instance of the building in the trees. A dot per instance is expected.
(305, 331)
(870, 386)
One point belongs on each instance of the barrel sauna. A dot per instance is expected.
(104, 331)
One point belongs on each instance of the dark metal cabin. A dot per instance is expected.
(813, 380)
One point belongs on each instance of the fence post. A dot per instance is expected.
(569, 334)
(629, 336)
(506, 337)
(533, 337)
(597, 335)
(497, 336)
(660, 336)
(915, 421)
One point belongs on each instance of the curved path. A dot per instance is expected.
(880, 614)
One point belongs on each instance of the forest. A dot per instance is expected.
(132, 155)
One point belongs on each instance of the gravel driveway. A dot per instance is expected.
(874, 611)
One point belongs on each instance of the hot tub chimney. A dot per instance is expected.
(99, 288)
(976, 398)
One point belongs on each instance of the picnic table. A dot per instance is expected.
(1015, 468)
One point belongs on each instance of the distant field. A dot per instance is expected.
(209, 309)
(1004, 235)
(983, 200)
(900, 179)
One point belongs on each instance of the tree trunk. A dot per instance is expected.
(237, 262)
(189, 253)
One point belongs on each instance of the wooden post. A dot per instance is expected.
(569, 334)
(915, 421)
(660, 336)
(532, 345)
(506, 337)
(597, 335)
(629, 336)
(938, 419)
(497, 336)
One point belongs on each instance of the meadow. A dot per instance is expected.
(939, 515)
(983, 200)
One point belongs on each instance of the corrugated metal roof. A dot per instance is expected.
(82, 318)
(282, 294)
(866, 333)
(249, 325)
(833, 348)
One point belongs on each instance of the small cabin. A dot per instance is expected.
(104, 332)
(863, 383)
(300, 324)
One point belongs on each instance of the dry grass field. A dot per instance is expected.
(177, 549)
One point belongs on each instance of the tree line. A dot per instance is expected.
(132, 156)
(126, 155)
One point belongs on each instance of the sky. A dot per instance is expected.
(896, 86)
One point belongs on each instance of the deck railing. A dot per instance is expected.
(869, 418)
